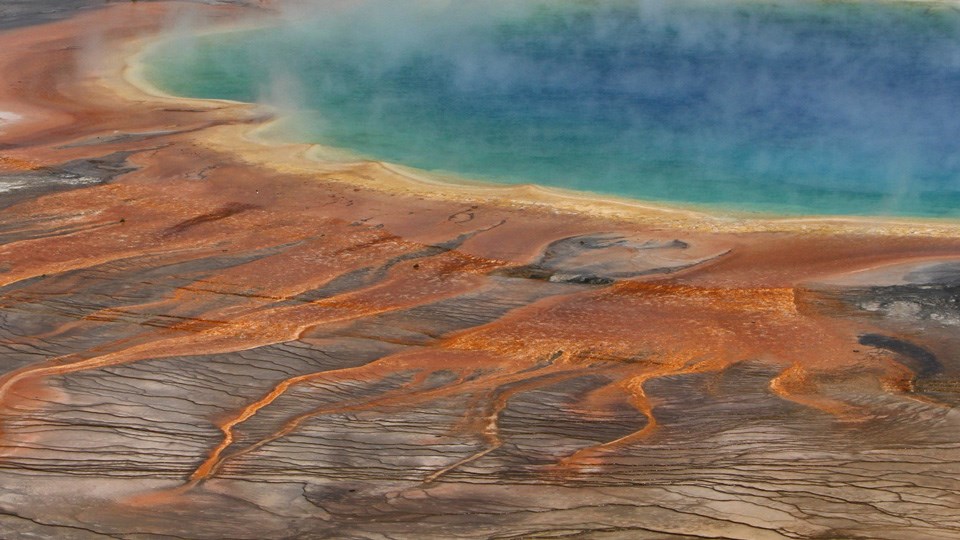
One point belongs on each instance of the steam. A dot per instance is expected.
(841, 97)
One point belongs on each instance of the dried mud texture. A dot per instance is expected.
(193, 346)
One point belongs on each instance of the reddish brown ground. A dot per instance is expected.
(744, 299)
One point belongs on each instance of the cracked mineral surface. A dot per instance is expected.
(205, 337)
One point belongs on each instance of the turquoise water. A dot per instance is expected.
(791, 107)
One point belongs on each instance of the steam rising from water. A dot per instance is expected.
(787, 106)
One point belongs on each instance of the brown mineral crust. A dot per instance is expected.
(228, 342)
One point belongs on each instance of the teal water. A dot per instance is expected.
(779, 106)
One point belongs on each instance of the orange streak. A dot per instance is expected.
(208, 466)
(641, 402)
(797, 385)
(491, 428)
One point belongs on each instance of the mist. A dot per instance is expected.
(790, 102)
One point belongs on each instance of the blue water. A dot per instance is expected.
(782, 106)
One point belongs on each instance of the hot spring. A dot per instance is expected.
(773, 106)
